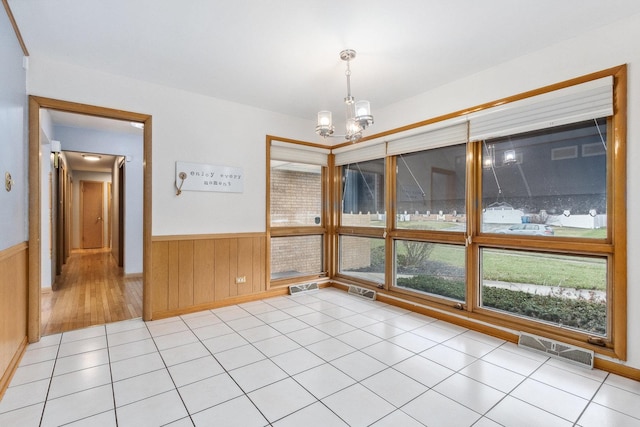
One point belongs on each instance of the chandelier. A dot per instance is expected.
(358, 113)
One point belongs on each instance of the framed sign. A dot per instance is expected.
(206, 177)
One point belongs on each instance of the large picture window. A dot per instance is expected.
(513, 212)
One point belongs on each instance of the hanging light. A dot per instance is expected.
(358, 114)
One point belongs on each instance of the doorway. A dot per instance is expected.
(36, 203)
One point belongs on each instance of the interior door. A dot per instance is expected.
(91, 213)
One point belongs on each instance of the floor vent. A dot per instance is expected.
(304, 287)
(559, 350)
(362, 292)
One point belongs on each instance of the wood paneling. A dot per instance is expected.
(259, 268)
(160, 275)
(173, 275)
(202, 271)
(203, 268)
(185, 273)
(222, 273)
(13, 306)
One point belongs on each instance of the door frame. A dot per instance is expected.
(35, 203)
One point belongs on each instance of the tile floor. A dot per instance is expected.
(323, 358)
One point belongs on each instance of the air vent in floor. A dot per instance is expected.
(362, 292)
(304, 287)
(559, 350)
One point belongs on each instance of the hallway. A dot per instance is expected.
(92, 290)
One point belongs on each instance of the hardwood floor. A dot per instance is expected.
(92, 290)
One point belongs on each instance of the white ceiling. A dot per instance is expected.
(76, 162)
(282, 55)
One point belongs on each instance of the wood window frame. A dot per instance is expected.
(614, 247)
(322, 230)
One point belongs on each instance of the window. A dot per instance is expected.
(430, 189)
(543, 194)
(515, 214)
(296, 217)
(363, 195)
(431, 268)
(363, 217)
(296, 256)
(296, 194)
(566, 291)
(362, 258)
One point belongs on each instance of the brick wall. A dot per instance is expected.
(298, 254)
(296, 197)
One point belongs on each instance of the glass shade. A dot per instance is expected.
(363, 108)
(353, 127)
(324, 119)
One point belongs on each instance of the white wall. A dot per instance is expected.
(186, 127)
(601, 49)
(13, 142)
(122, 144)
(189, 127)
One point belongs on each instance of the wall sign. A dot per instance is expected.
(205, 177)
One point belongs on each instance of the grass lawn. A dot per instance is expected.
(533, 268)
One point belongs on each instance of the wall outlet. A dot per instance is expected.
(241, 279)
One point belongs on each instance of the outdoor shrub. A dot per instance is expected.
(416, 253)
(580, 314)
(377, 257)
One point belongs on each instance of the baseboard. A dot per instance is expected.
(5, 380)
(617, 368)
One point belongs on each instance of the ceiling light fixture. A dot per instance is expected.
(358, 113)
(91, 157)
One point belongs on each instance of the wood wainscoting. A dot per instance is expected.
(13, 308)
(197, 272)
